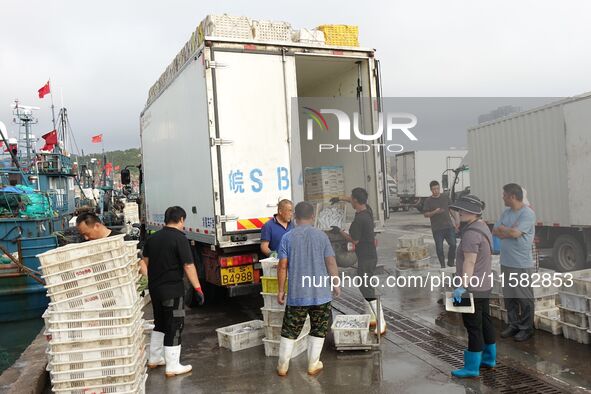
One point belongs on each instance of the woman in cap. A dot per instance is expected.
(473, 266)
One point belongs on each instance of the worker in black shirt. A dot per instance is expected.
(90, 227)
(361, 234)
(166, 256)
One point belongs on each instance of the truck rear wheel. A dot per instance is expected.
(568, 253)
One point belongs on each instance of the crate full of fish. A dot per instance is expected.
(351, 329)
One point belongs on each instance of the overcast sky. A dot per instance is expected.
(105, 55)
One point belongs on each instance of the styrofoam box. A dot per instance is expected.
(308, 36)
(80, 250)
(90, 284)
(231, 338)
(548, 320)
(84, 267)
(574, 333)
(272, 317)
(270, 300)
(274, 332)
(272, 347)
(270, 266)
(351, 336)
(575, 318)
(101, 372)
(574, 302)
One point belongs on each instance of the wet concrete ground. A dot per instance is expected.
(398, 368)
(393, 370)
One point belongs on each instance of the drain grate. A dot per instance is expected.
(503, 378)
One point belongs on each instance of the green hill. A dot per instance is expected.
(122, 158)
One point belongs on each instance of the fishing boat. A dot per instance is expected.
(36, 203)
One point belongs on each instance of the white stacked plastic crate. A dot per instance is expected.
(94, 320)
(575, 307)
(273, 314)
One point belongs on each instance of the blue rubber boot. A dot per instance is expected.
(489, 356)
(471, 365)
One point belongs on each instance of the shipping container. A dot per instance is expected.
(546, 150)
(221, 141)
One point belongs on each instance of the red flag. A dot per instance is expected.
(117, 168)
(50, 138)
(44, 90)
(97, 139)
(108, 168)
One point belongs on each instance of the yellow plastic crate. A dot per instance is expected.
(340, 35)
(270, 284)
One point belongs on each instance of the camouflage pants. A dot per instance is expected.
(295, 317)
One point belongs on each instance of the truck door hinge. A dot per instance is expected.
(225, 218)
(214, 64)
(219, 142)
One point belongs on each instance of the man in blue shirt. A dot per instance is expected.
(273, 230)
(516, 229)
(306, 253)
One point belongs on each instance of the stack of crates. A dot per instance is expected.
(412, 253)
(273, 313)
(94, 320)
(546, 310)
(575, 308)
(323, 183)
(340, 35)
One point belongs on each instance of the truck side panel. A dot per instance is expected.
(578, 159)
(528, 149)
(252, 124)
(177, 156)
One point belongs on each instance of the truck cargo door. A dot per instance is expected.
(251, 101)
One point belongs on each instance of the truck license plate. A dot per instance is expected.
(235, 275)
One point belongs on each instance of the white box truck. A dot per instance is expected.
(546, 150)
(416, 169)
(219, 140)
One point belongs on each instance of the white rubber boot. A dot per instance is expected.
(314, 349)
(172, 354)
(156, 358)
(285, 352)
(372, 316)
(374, 307)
